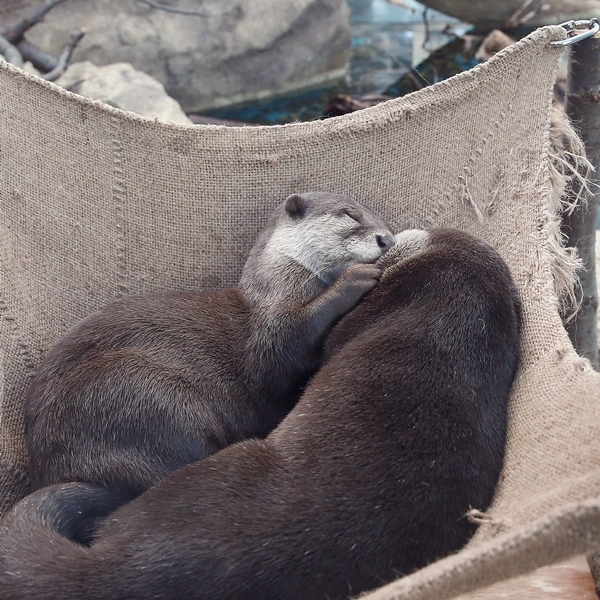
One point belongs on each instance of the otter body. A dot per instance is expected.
(152, 382)
(369, 477)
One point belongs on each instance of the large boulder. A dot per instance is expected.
(488, 14)
(238, 50)
(122, 86)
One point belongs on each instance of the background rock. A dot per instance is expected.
(488, 14)
(241, 49)
(121, 86)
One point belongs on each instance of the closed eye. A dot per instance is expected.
(354, 216)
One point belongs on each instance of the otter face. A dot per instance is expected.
(327, 233)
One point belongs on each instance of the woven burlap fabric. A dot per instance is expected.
(95, 203)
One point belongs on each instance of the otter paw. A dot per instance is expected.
(359, 279)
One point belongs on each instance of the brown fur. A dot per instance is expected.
(152, 382)
(369, 477)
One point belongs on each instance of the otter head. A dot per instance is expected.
(327, 233)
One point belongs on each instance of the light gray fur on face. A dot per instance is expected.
(326, 240)
(307, 243)
(323, 245)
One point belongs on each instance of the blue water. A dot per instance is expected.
(382, 51)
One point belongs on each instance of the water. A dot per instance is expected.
(387, 41)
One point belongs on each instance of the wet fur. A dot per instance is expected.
(152, 382)
(369, 477)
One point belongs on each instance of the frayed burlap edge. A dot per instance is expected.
(570, 171)
(574, 529)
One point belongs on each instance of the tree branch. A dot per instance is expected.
(65, 57)
(40, 59)
(172, 9)
(15, 33)
(10, 53)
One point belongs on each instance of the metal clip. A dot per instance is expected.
(571, 26)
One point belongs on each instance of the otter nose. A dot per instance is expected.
(385, 242)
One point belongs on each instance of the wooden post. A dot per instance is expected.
(583, 108)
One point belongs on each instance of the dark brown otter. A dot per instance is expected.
(369, 477)
(152, 382)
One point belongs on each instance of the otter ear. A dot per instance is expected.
(295, 206)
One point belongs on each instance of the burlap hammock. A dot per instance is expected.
(96, 203)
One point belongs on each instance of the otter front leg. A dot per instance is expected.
(318, 315)
(287, 344)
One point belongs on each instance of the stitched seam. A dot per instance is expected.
(119, 199)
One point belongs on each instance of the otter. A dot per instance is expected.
(369, 477)
(151, 382)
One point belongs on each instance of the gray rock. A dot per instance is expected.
(121, 86)
(31, 69)
(510, 13)
(241, 49)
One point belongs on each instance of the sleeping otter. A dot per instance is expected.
(152, 382)
(369, 477)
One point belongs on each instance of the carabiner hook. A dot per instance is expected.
(572, 26)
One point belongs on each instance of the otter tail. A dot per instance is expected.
(43, 540)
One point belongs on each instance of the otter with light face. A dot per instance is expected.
(152, 382)
(369, 477)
